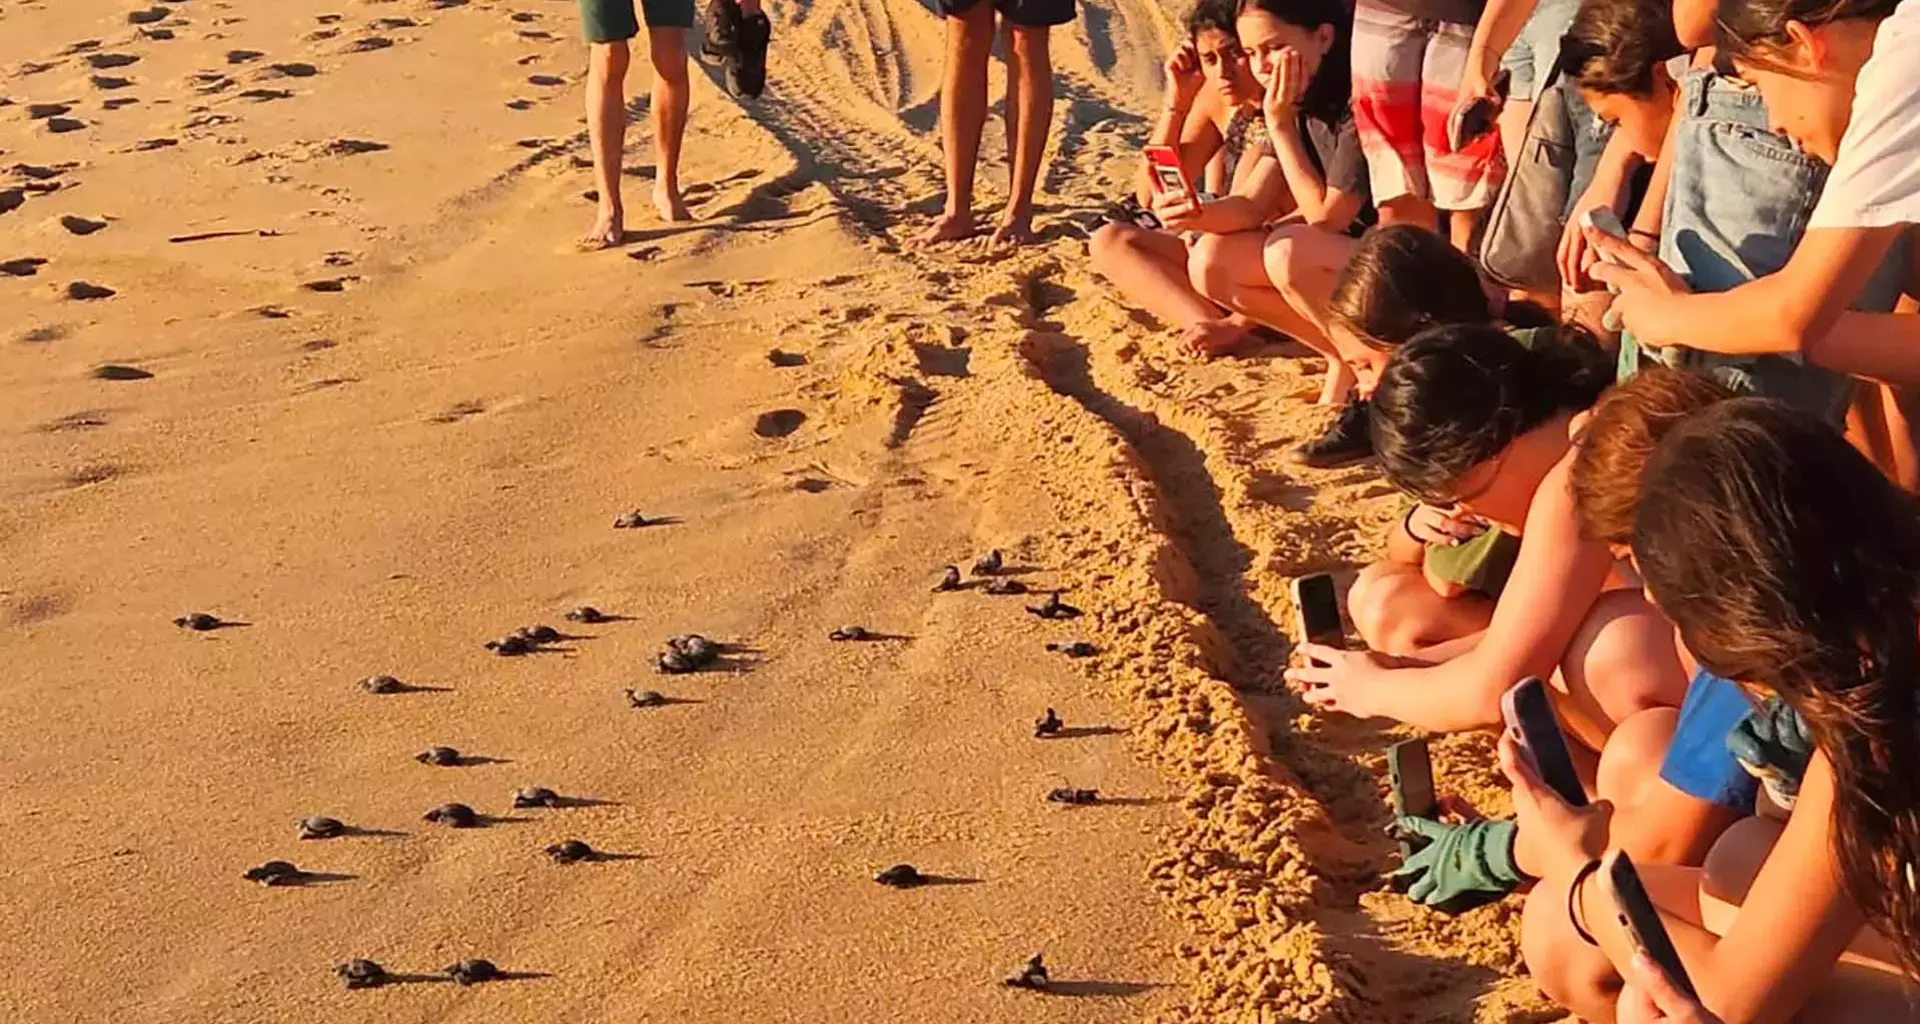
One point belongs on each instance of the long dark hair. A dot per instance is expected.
(1612, 46)
(1748, 30)
(1212, 15)
(1455, 397)
(1332, 85)
(1789, 563)
(1403, 279)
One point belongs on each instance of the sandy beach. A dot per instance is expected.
(293, 332)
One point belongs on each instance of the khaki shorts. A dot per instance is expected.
(613, 21)
(1481, 565)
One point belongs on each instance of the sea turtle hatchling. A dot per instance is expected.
(1048, 725)
(1054, 608)
(539, 634)
(1069, 795)
(850, 634)
(453, 816)
(689, 653)
(586, 613)
(632, 521)
(473, 971)
(321, 828)
(382, 684)
(535, 796)
(510, 645)
(276, 872)
(1033, 975)
(645, 698)
(1076, 649)
(1003, 587)
(445, 757)
(901, 876)
(949, 580)
(570, 851)
(990, 563)
(199, 622)
(362, 974)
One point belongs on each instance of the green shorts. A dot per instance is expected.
(612, 21)
(1481, 564)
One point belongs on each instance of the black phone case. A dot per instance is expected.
(1547, 745)
(1641, 919)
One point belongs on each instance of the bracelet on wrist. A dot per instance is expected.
(1406, 526)
(1574, 915)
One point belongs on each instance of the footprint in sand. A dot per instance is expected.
(292, 69)
(147, 16)
(118, 102)
(369, 44)
(329, 19)
(329, 285)
(63, 125)
(389, 24)
(546, 80)
(535, 35)
(149, 145)
(24, 266)
(318, 345)
(520, 104)
(87, 291)
(272, 312)
(83, 46)
(42, 335)
(42, 111)
(266, 95)
(458, 411)
(441, 5)
(12, 199)
(779, 422)
(110, 82)
(243, 56)
(81, 226)
(205, 82)
(156, 34)
(109, 61)
(88, 420)
(524, 17)
(119, 371)
(321, 35)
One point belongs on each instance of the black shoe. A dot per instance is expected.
(1347, 440)
(723, 32)
(748, 76)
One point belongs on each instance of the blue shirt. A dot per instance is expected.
(1698, 762)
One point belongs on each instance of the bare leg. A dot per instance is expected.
(1621, 661)
(1029, 116)
(963, 111)
(671, 95)
(1396, 611)
(1460, 225)
(1150, 268)
(607, 131)
(1409, 209)
(1513, 128)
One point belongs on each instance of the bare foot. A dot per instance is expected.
(951, 227)
(1013, 231)
(1210, 339)
(670, 206)
(609, 230)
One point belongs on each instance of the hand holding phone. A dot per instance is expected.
(1472, 121)
(1169, 177)
(1529, 716)
(1641, 920)
(1318, 605)
(1410, 772)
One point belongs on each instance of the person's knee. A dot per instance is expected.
(1622, 658)
(1281, 258)
(1206, 269)
(1569, 971)
(1029, 44)
(1735, 860)
(1111, 242)
(669, 57)
(1382, 616)
(610, 59)
(1631, 759)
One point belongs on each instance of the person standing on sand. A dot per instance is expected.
(963, 107)
(610, 25)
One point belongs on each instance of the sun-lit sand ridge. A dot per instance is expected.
(352, 387)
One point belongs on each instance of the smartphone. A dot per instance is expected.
(1642, 921)
(1168, 175)
(1605, 221)
(1410, 767)
(1530, 719)
(1319, 607)
(1471, 123)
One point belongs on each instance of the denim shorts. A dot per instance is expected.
(1537, 46)
(1737, 203)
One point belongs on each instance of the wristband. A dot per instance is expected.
(1655, 235)
(1406, 526)
(1573, 904)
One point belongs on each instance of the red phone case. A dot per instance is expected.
(1164, 161)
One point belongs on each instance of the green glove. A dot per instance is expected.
(1772, 744)
(1461, 866)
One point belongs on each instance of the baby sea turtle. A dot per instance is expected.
(632, 521)
(539, 634)
(1067, 795)
(949, 580)
(362, 974)
(453, 816)
(1004, 587)
(646, 698)
(1054, 608)
(989, 563)
(445, 757)
(1048, 725)
(535, 796)
(1033, 975)
(382, 684)
(276, 872)
(571, 851)
(321, 828)
(901, 876)
(674, 663)
(199, 622)
(473, 971)
(586, 613)
(510, 645)
(688, 653)
(1076, 649)
(850, 634)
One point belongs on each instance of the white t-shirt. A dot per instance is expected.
(1876, 177)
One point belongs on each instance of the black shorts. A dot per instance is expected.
(1026, 13)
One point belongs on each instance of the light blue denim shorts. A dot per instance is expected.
(1537, 46)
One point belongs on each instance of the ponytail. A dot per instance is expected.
(1455, 397)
